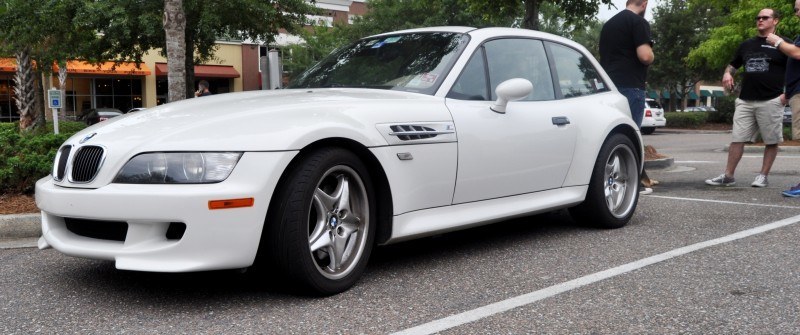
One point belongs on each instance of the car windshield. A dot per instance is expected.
(653, 104)
(414, 62)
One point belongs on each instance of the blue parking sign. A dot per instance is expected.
(54, 98)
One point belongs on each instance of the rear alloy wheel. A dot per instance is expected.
(614, 188)
(325, 221)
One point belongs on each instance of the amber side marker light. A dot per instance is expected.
(230, 203)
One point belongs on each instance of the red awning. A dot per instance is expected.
(204, 71)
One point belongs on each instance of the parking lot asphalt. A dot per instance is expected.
(694, 259)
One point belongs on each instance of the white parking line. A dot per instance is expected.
(695, 162)
(721, 201)
(529, 298)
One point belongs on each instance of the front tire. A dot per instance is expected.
(614, 186)
(321, 234)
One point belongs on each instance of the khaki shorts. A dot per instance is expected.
(758, 116)
(795, 103)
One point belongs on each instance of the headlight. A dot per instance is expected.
(178, 168)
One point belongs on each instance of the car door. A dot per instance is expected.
(526, 149)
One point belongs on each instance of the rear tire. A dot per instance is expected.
(320, 232)
(648, 130)
(614, 186)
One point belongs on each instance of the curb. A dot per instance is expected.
(20, 226)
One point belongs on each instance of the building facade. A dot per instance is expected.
(124, 86)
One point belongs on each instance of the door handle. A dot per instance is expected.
(560, 120)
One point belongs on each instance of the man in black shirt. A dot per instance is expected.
(760, 103)
(625, 53)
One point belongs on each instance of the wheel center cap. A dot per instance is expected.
(333, 222)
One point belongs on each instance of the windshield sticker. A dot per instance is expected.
(423, 80)
(371, 42)
(391, 39)
(377, 45)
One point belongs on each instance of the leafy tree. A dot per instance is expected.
(585, 32)
(575, 11)
(319, 41)
(383, 16)
(670, 70)
(390, 15)
(45, 33)
(133, 27)
(717, 51)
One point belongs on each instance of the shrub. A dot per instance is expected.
(725, 107)
(686, 119)
(26, 157)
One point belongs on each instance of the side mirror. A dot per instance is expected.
(510, 90)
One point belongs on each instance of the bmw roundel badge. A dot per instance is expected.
(88, 137)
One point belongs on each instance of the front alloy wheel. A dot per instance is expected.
(338, 221)
(318, 234)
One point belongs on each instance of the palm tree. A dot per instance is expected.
(175, 28)
(24, 90)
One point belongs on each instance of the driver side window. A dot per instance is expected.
(504, 59)
(520, 58)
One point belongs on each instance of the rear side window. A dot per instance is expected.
(576, 75)
(653, 104)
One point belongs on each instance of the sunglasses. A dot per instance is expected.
(763, 18)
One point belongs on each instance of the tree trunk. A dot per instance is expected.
(189, 66)
(39, 103)
(531, 20)
(175, 28)
(62, 86)
(24, 90)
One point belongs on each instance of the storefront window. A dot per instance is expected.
(216, 86)
(78, 97)
(119, 93)
(8, 108)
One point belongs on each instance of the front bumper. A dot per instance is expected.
(213, 239)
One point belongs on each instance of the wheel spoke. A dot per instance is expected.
(342, 195)
(323, 201)
(320, 241)
(616, 183)
(321, 220)
(612, 169)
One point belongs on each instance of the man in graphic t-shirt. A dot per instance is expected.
(759, 107)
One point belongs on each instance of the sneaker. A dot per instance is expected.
(761, 181)
(721, 180)
(793, 192)
(646, 190)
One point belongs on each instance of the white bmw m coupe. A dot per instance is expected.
(397, 136)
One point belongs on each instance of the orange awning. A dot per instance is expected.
(204, 71)
(8, 65)
(80, 67)
(107, 68)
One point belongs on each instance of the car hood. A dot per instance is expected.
(263, 120)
